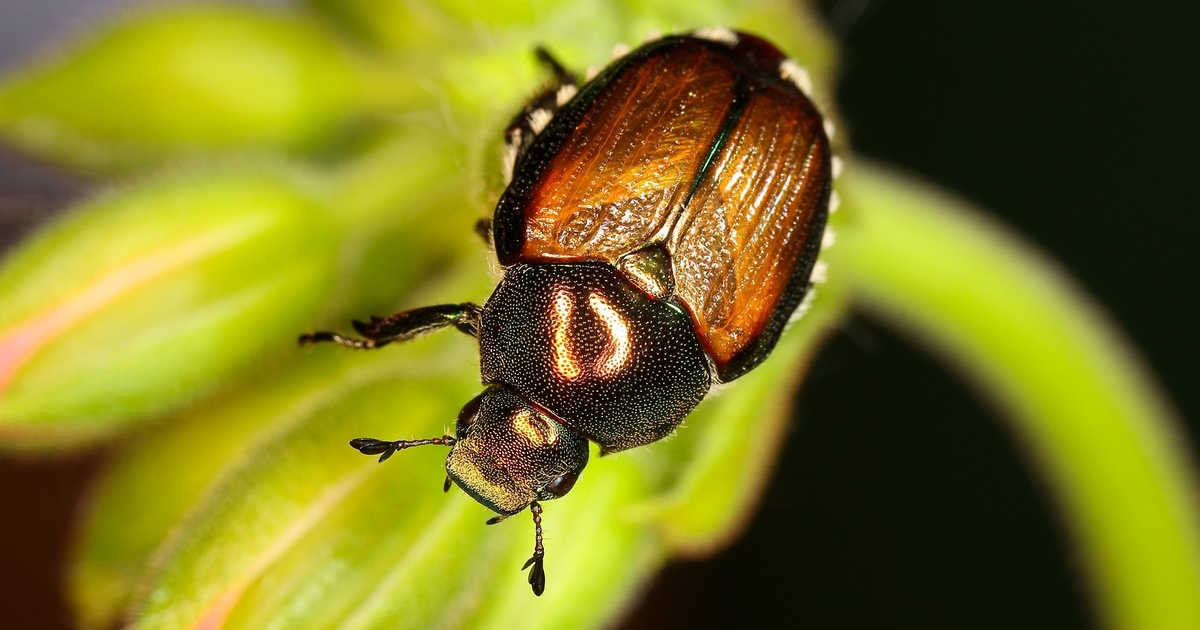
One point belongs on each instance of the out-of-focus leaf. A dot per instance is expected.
(111, 555)
(288, 506)
(481, 54)
(392, 26)
(409, 216)
(152, 296)
(183, 80)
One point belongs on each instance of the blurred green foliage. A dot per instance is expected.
(289, 169)
(187, 80)
(149, 298)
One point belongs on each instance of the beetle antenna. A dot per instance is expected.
(385, 449)
(537, 575)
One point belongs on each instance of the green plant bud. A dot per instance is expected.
(186, 80)
(150, 297)
(485, 84)
(446, 36)
(408, 216)
(191, 451)
(111, 552)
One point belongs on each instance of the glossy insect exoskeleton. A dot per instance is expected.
(660, 226)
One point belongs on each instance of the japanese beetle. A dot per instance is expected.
(660, 226)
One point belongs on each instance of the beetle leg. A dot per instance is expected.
(381, 331)
(385, 449)
(483, 228)
(537, 574)
(561, 74)
(538, 111)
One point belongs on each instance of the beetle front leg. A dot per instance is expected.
(538, 112)
(561, 75)
(381, 331)
(483, 229)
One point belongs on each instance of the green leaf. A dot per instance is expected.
(155, 295)
(176, 463)
(481, 54)
(392, 26)
(290, 504)
(408, 213)
(185, 80)
(169, 470)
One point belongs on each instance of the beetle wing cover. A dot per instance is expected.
(703, 148)
(748, 232)
(625, 168)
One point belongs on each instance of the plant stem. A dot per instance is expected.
(1105, 439)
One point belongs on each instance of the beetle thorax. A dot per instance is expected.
(581, 342)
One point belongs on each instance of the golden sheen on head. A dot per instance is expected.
(508, 454)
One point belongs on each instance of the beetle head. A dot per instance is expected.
(509, 454)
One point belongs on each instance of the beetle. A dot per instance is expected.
(659, 227)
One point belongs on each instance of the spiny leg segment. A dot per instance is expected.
(403, 326)
(562, 76)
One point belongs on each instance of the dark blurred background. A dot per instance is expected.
(901, 500)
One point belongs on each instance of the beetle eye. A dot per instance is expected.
(467, 416)
(563, 483)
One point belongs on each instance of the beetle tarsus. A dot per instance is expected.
(483, 228)
(537, 574)
(561, 74)
(385, 449)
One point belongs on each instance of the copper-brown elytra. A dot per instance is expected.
(660, 226)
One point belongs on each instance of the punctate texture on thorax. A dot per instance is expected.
(582, 343)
